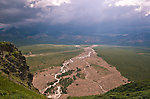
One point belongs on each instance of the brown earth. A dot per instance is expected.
(141, 53)
(100, 77)
(41, 79)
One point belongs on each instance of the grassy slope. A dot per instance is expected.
(11, 90)
(57, 54)
(46, 48)
(135, 90)
(41, 62)
(132, 65)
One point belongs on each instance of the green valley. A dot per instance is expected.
(132, 62)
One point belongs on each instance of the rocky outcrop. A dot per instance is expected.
(14, 64)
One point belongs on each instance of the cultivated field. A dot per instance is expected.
(47, 55)
(132, 62)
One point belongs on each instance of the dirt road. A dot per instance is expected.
(96, 76)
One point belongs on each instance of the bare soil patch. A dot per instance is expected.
(141, 53)
(99, 76)
(41, 79)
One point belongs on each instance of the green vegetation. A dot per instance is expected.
(52, 55)
(64, 90)
(14, 64)
(11, 90)
(82, 75)
(78, 75)
(51, 83)
(85, 45)
(42, 62)
(134, 90)
(46, 48)
(69, 72)
(15, 77)
(74, 77)
(132, 62)
(78, 69)
(66, 82)
(100, 70)
(50, 90)
(99, 67)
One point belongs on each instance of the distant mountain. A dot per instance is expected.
(37, 34)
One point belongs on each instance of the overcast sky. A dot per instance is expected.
(122, 14)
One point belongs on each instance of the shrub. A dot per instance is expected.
(78, 75)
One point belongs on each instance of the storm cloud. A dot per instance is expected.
(104, 14)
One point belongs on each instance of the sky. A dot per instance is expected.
(117, 15)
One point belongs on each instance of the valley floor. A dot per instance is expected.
(90, 75)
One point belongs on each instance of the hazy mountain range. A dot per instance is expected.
(70, 35)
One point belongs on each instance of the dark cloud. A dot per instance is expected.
(14, 12)
(96, 15)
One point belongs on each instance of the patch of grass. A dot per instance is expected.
(82, 75)
(132, 65)
(99, 67)
(100, 70)
(53, 55)
(41, 62)
(85, 45)
(46, 48)
(11, 90)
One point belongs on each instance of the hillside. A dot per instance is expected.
(132, 62)
(14, 64)
(12, 90)
(134, 90)
(15, 77)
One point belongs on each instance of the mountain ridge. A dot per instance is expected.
(53, 35)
